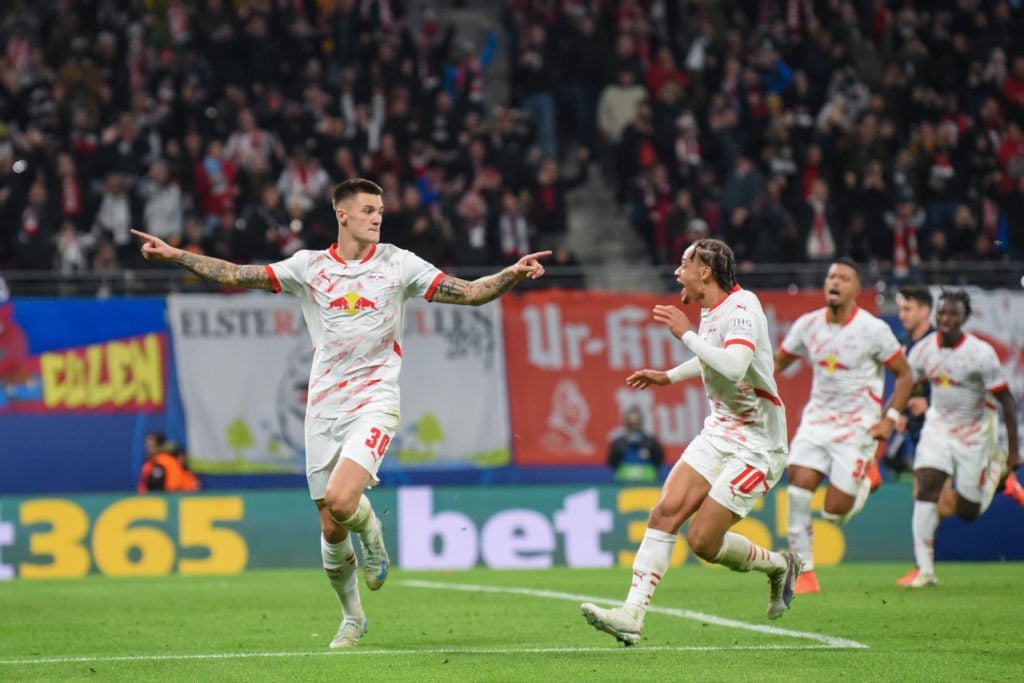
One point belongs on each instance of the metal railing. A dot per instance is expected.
(161, 279)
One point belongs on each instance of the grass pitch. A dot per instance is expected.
(484, 625)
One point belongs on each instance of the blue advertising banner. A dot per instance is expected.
(81, 381)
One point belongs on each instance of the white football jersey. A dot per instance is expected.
(847, 362)
(748, 412)
(355, 313)
(962, 378)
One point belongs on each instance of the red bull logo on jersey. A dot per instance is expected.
(352, 303)
(831, 364)
(944, 381)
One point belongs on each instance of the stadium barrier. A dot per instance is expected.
(433, 528)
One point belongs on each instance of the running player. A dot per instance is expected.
(840, 428)
(959, 439)
(735, 460)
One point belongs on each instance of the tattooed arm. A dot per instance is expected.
(453, 290)
(206, 267)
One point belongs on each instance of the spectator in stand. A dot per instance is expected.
(583, 61)
(216, 179)
(741, 191)
(474, 240)
(73, 193)
(115, 215)
(534, 78)
(515, 234)
(161, 203)
(639, 150)
(464, 79)
(266, 225)
(303, 179)
(677, 224)
(550, 206)
(616, 109)
(250, 145)
(663, 70)
(821, 233)
(906, 221)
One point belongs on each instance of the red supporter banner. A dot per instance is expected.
(568, 354)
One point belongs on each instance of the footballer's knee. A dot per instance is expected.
(340, 505)
(704, 545)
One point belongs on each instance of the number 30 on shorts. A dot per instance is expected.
(378, 442)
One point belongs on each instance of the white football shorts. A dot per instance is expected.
(845, 463)
(739, 477)
(363, 438)
(968, 464)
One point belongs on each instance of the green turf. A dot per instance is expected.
(443, 626)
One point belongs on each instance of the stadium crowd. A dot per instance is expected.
(889, 131)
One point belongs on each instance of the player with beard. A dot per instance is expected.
(959, 438)
(843, 421)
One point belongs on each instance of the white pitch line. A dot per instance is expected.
(827, 641)
(424, 651)
(823, 642)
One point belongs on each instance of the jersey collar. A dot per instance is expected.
(333, 251)
(735, 288)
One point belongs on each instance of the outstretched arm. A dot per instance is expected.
(453, 290)
(206, 267)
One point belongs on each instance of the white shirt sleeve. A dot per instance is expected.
(685, 370)
(731, 362)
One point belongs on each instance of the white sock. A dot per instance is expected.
(739, 554)
(801, 529)
(340, 564)
(992, 476)
(858, 502)
(924, 522)
(360, 518)
(650, 565)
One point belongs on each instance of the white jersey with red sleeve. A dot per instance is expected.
(355, 314)
(847, 362)
(748, 412)
(962, 377)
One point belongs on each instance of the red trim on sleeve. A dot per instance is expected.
(893, 356)
(273, 278)
(771, 397)
(995, 390)
(398, 350)
(433, 286)
(743, 342)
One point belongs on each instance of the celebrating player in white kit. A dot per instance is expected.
(840, 429)
(959, 437)
(353, 300)
(735, 460)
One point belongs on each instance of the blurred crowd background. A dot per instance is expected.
(797, 130)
